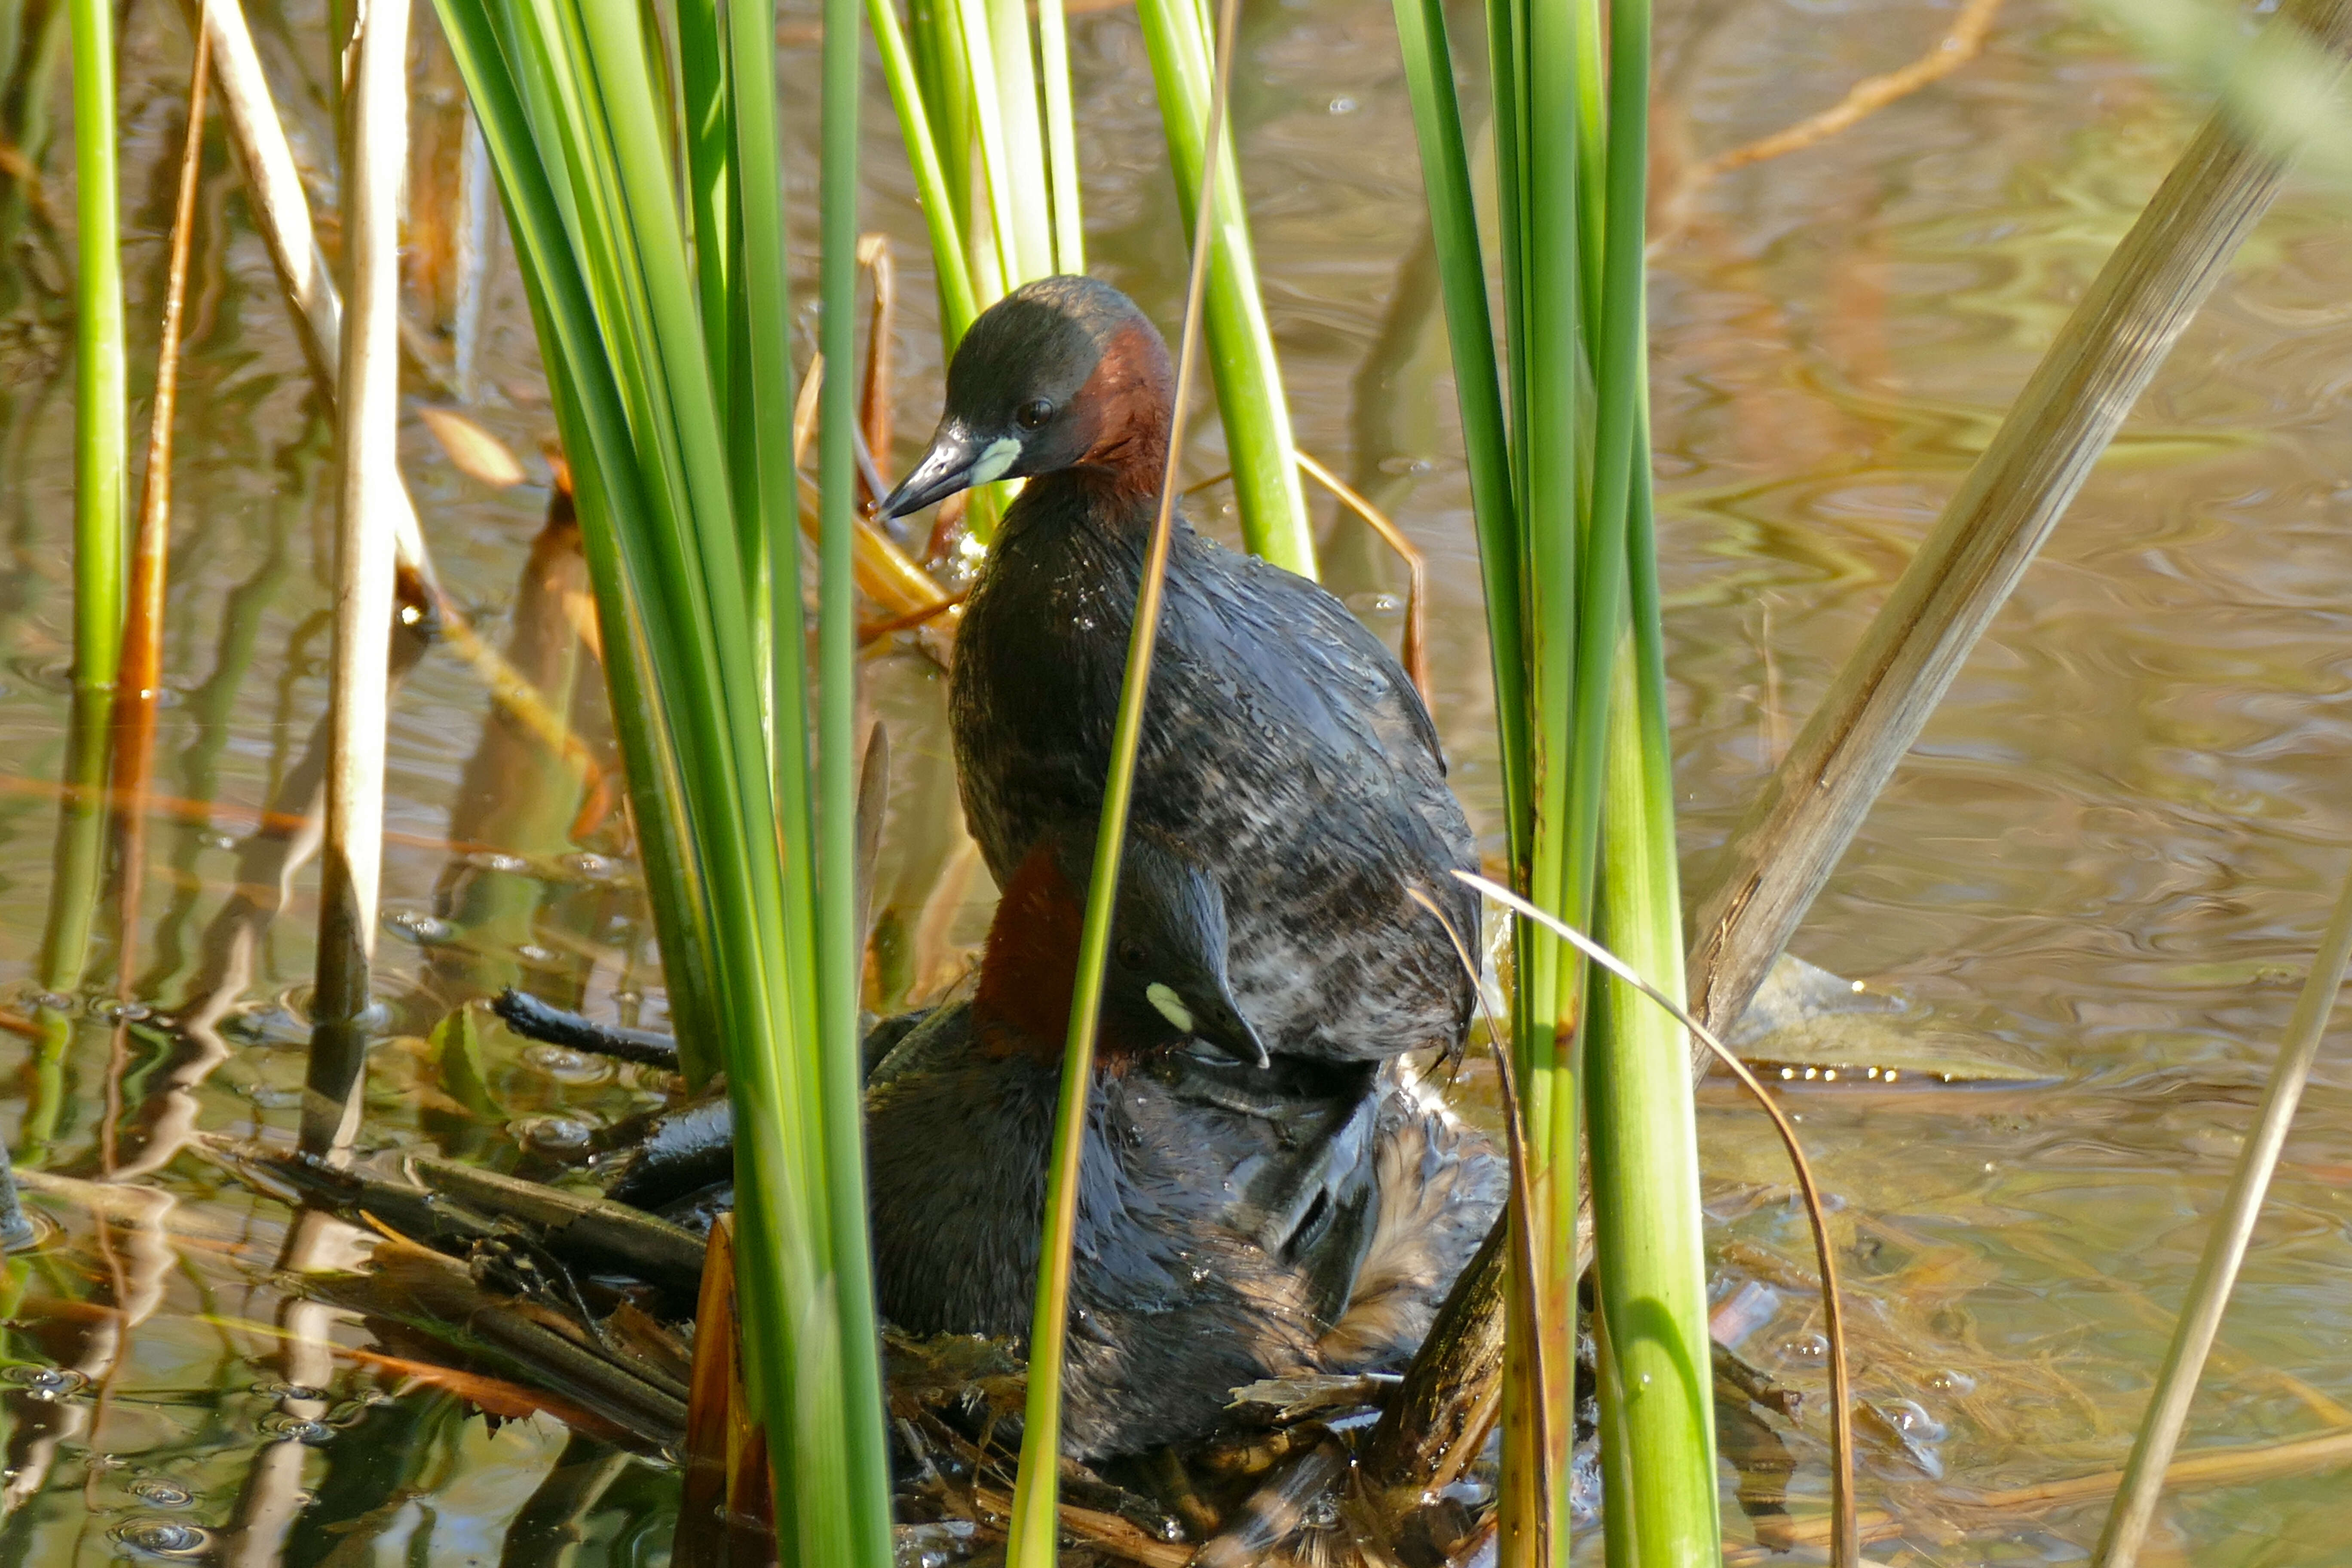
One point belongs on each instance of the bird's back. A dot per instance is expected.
(1282, 747)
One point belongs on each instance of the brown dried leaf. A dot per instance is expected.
(478, 454)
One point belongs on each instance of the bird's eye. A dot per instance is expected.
(1131, 955)
(1035, 412)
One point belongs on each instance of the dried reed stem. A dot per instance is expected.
(375, 157)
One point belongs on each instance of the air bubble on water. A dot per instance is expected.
(1947, 1380)
(293, 1428)
(1806, 1347)
(289, 1391)
(166, 1537)
(157, 1491)
(565, 1065)
(932, 1546)
(1911, 1418)
(45, 1382)
(116, 1012)
(497, 860)
(531, 953)
(1343, 106)
(557, 1134)
(595, 868)
(418, 927)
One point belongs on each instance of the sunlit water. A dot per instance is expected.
(2107, 862)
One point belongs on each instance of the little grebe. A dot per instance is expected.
(1235, 1222)
(1282, 747)
(1239, 1218)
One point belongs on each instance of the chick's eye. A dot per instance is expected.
(1035, 412)
(1131, 954)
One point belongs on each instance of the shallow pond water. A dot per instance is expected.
(2106, 864)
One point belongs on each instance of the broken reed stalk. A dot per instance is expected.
(2225, 1249)
(375, 158)
(1846, 1540)
(2104, 357)
(1031, 1539)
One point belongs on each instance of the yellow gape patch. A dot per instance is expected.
(995, 459)
(1171, 1006)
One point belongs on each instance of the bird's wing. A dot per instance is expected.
(1331, 655)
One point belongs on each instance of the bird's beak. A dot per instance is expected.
(957, 460)
(1234, 1035)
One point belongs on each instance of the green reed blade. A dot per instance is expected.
(1552, 425)
(840, 929)
(1061, 137)
(1033, 1538)
(102, 413)
(710, 188)
(101, 540)
(1526, 556)
(567, 98)
(1507, 48)
(607, 484)
(940, 69)
(1241, 346)
(1562, 494)
(1024, 207)
(970, 20)
(766, 488)
(937, 191)
(1659, 1427)
(1486, 431)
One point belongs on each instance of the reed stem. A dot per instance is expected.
(748, 828)
(1034, 1536)
(375, 160)
(840, 929)
(1241, 357)
(101, 417)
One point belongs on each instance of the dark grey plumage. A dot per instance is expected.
(1234, 1223)
(1283, 749)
